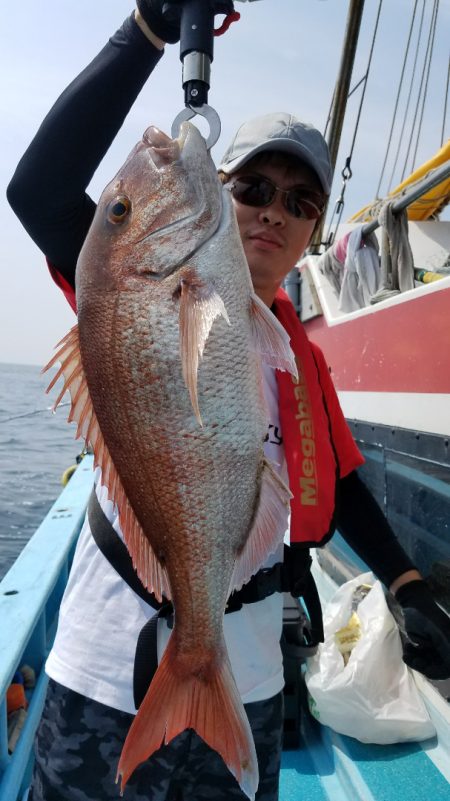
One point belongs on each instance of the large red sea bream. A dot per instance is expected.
(164, 372)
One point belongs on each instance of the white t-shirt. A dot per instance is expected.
(101, 617)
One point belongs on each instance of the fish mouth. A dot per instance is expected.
(164, 151)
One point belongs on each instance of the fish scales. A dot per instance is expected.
(168, 389)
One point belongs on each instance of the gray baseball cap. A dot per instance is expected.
(280, 131)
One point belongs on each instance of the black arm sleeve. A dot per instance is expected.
(48, 189)
(365, 528)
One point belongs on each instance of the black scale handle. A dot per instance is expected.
(196, 43)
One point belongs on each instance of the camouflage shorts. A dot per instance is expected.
(79, 741)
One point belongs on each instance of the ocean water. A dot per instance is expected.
(36, 446)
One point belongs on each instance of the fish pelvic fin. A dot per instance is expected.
(270, 338)
(149, 569)
(200, 304)
(202, 697)
(268, 529)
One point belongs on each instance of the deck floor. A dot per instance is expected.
(331, 767)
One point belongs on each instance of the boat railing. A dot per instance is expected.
(30, 595)
(315, 285)
(409, 196)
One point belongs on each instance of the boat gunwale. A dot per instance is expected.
(310, 263)
(26, 588)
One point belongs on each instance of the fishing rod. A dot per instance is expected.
(31, 414)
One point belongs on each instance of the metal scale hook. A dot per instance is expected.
(210, 115)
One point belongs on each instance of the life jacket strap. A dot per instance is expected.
(146, 656)
(115, 551)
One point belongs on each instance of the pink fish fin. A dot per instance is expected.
(268, 530)
(81, 409)
(200, 304)
(68, 354)
(186, 694)
(149, 569)
(270, 338)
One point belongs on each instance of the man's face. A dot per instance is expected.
(272, 238)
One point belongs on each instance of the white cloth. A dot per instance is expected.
(101, 617)
(397, 260)
(362, 272)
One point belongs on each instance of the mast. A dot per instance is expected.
(342, 87)
(340, 96)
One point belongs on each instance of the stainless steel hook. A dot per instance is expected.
(210, 115)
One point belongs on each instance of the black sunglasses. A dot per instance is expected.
(258, 191)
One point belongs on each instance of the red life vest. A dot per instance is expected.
(311, 453)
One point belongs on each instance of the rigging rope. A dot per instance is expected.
(445, 103)
(425, 91)
(425, 72)
(400, 85)
(400, 140)
(347, 172)
(365, 81)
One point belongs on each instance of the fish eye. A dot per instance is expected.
(119, 209)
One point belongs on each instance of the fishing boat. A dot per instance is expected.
(322, 766)
(390, 362)
(388, 351)
(386, 337)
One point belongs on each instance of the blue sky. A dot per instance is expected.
(282, 55)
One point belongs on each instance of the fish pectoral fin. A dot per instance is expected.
(271, 340)
(149, 569)
(200, 304)
(204, 698)
(268, 530)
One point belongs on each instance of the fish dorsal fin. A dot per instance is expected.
(268, 529)
(147, 566)
(200, 304)
(270, 338)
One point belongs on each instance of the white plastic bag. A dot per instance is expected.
(374, 697)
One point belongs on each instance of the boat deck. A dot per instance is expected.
(331, 767)
(325, 767)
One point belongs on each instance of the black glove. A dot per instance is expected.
(428, 629)
(167, 26)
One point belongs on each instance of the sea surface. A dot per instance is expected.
(36, 447)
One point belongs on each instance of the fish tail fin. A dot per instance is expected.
(204, 698)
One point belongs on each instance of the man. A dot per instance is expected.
(278, 172)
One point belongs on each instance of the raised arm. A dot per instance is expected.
(48, 189)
